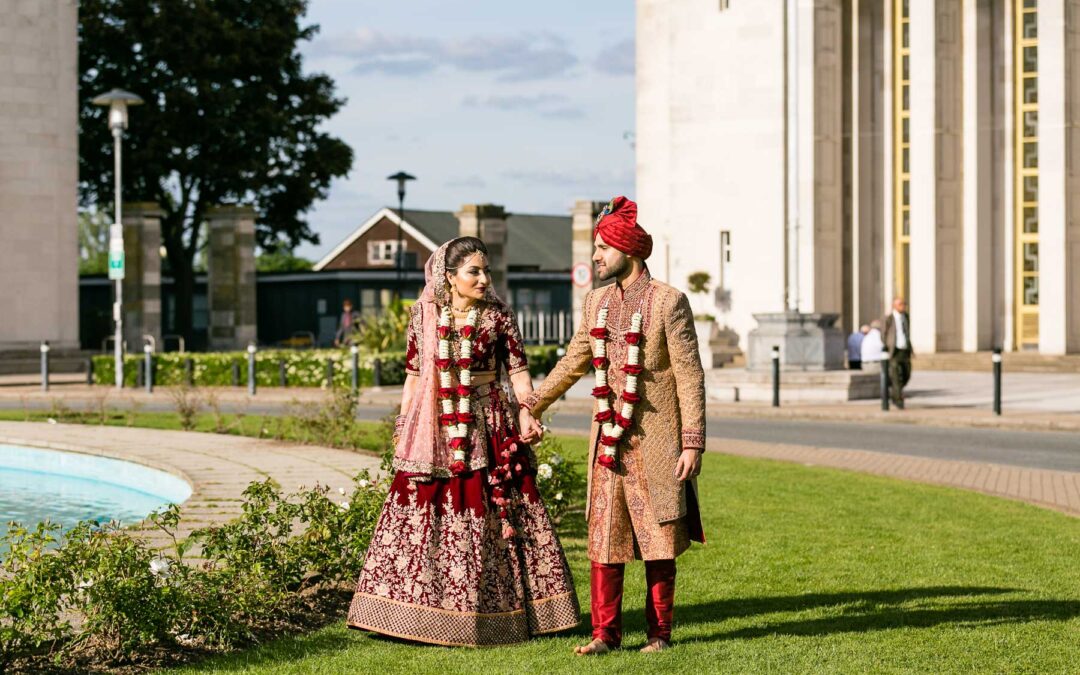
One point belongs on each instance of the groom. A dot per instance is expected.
(638, 333)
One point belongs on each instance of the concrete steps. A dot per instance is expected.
(1019, 362)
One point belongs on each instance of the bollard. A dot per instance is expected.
(329, 373)
(235, 374)
(189, 372)
(140, 374)
(89, 371)
(376, 373)
(776, 376)
(45, 365)
(885, 382)
(251, 369)
(283, 376)
(355, 351)
(996, 359)
(148, 367)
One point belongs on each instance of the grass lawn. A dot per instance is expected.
(807, 569)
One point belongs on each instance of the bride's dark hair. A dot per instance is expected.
(460, 249)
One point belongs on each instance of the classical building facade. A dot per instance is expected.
(39, 163)
(826, 155)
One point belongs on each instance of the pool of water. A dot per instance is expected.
(67, 487)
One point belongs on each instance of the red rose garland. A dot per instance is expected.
(613, 423)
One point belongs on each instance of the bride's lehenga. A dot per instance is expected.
(447, 564)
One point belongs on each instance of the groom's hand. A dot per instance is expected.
(689, 465)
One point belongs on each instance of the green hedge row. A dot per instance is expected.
(302, 368)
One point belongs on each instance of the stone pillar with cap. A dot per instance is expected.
(142, 274)
(230, 267)
(487, 222)
(583, 219)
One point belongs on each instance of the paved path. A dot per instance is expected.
(218, 467)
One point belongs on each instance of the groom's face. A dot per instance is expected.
(610, 262)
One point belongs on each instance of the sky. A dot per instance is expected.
(525, 104)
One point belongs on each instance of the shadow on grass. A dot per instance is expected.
(874, 610)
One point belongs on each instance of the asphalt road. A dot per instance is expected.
(1032, 449)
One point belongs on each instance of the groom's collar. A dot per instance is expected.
(636, 288)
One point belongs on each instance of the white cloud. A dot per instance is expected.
(528, 56)
(617, 59)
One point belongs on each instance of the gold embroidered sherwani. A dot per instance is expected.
(640, 510)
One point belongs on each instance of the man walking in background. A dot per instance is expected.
(897, 340)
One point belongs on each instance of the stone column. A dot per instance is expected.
(936, 268)
(488, 223)
(582, 219)
(142, 276)
(39, 160)
(1059, 176)
(984, 140)
(231, 277)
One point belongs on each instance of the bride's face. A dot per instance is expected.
(471, 279)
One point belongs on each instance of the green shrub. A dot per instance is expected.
(102, 596)
(560, 482)
(303, 368)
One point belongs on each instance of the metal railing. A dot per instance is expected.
(545, 328)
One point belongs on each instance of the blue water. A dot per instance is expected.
(66, 487)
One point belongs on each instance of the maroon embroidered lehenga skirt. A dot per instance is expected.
(440, 569)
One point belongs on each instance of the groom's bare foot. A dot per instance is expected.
(655, 645)
(594, 648)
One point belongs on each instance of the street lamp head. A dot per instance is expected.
(401, 177)
(117, 101)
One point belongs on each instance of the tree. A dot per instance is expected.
(93, 242)
(281, 260)
(229, 117)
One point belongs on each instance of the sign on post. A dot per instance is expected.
(116, 251)
(581, 274)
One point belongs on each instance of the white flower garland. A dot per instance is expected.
(613, 425)
(463, 408)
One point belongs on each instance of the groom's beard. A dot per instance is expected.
(615, 269)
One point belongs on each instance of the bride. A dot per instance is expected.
(464, 553)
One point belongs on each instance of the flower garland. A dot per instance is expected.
(456, 418)
(614, 423)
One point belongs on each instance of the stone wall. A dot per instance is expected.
(38, 173)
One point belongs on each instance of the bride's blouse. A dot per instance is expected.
(497, 342)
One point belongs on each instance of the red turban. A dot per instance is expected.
(619, 228)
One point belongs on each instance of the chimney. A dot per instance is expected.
(488, 223)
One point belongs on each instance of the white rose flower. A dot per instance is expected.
(159, 567)
(544, 471)
(341, 491)
(363, 482)
(558, 496)
(555, 459)
(345, 506)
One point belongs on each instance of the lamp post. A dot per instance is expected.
(117, 101)
(401, 177)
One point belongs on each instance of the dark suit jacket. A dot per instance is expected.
(889, 334)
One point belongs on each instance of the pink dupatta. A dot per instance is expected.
(422, 447)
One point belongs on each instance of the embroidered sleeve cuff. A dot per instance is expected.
(410, 371)
(693, 439)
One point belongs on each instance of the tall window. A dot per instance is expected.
(1026, 95)
(901, 147)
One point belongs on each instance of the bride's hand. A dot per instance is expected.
(531, 430)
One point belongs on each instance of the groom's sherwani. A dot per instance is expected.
(640, 510)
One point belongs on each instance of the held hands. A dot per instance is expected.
(531, 430)
(689, 465)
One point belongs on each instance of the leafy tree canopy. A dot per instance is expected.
(230, 116)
